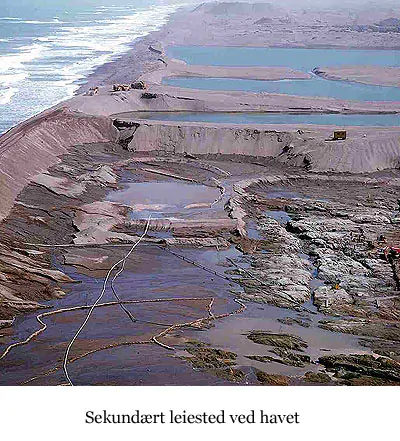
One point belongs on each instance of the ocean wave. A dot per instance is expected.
(109, 38)
(26, 54)
(7, 80)
(6, 95)
(41, 22)
(48, 70)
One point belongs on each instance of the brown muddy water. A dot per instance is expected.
(152, 273)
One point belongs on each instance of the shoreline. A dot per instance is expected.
(177, 21)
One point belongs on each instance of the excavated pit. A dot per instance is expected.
(271, 213)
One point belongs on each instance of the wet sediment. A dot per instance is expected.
(319, 270)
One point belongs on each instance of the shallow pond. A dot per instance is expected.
(316, 87)
(162, 198)
(294, 58)
(301, 59)
(269, 118)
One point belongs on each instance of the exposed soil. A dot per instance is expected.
(323, 227)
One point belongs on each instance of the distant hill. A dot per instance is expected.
(235, 8)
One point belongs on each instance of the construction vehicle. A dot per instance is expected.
(339, 135)
(148, 95)
(92, 91)
(141, 85)
(121, 87)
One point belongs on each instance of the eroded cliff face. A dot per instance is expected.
(32, 147)
(366, 149)
(209, 140)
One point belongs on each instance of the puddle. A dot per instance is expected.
(162, 198)
(283, 193)
(230, 334)
(279, 215)
(252, 231)
(315, 281)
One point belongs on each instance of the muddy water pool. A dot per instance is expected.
(151, 273)
(162, 198)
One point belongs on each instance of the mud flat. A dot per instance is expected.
(376, 75)
(296, 274)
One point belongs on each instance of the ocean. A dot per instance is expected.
(48, 48)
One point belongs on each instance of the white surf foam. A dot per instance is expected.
(41, 22)
(46, 72)
(104, 40)
(8, 79)
(6, 95)
(25, 55)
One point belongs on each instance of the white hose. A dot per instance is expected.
(123, 260)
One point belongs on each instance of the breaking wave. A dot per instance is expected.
(40, 74)
(6, 95)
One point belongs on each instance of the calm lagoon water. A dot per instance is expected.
(273, 118)
(313, 87)
(300, 59)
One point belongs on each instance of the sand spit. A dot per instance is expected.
(178, 68)
(258, 25)
(375, 75)
(169, 98)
